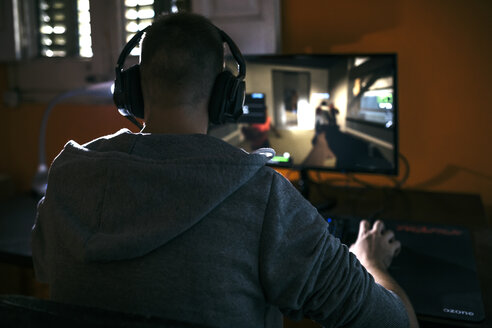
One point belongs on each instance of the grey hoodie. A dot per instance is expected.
(189, 228)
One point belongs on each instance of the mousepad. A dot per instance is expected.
(436, 268)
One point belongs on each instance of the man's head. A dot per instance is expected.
(182, 54)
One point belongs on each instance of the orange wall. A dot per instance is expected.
(20, 130)
(444, 49)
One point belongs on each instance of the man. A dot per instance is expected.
(332, 114)
(174, 223)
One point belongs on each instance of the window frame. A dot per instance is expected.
(39, 79)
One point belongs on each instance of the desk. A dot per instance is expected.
(17, 217)
(419, 206)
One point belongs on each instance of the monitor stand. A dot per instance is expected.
(304, 188)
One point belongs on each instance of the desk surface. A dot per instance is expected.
(420, 206)
(17, 216)
(404, 205)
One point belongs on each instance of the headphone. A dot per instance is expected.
(226, 100)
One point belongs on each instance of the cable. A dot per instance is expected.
(40, 179)
(100, 89)
(363, 183)
(134, 121)
(399, 184)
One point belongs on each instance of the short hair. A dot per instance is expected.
(182, 54)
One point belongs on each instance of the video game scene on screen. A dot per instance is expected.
(334, 112)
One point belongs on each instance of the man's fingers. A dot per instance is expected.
(364, 227)
(378, 226)
(389, 235)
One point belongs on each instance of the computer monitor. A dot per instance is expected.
(323, 112)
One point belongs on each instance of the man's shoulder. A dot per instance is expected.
(122, 135)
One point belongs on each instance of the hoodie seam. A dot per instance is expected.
(130, 151)
(203, 162)
(85, 150)
(262, 285)
(103, 200)
(101, 208)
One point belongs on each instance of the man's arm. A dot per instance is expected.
(306, 272)
(375, 248)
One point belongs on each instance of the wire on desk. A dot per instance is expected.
(399, 184)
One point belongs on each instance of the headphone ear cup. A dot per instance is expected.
(132, 91)
(217, 103)
(239, 100)
(227, 99)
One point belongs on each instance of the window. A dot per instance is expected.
(138, 14)
(84, 20)
(68, 44)
(65, 25)
(64, 28)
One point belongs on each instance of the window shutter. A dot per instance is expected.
(138, 14)
(64, 28)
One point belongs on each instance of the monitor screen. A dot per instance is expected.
(327, 112)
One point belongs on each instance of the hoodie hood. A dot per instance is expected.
(124, 195)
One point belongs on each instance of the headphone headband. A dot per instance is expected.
(236, 53)
(227, 96)
(126, 51)
(129, 46)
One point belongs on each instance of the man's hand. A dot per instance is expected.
(375, 247)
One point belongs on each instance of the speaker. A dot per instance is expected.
(226, 100)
